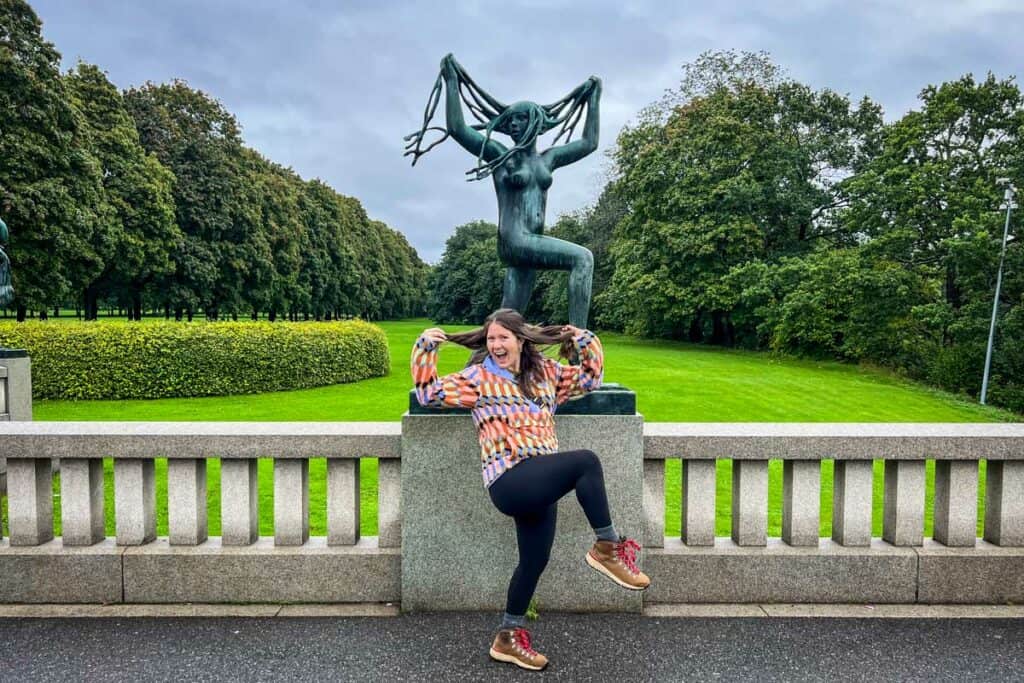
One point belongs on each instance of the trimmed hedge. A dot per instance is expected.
(123, 360)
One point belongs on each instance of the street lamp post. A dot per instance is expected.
(1009, 205)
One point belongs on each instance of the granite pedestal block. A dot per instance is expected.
(459, 552)
(57, 573)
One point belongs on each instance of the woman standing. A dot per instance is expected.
(513, 392)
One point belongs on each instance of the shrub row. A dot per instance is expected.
(121, 360)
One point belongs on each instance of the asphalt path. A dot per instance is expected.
(442, 647)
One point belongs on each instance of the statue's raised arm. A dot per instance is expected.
(521, 175)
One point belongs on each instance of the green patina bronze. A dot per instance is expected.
(6, 290)
(521, 175)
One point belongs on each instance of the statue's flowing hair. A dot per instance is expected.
(6, 290)
(492, 115)
(535, 339)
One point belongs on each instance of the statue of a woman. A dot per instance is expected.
(6, 290)
(521, 175)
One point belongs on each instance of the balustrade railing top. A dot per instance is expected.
(201, 439)
(833, 440)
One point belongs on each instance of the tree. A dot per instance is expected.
(200, 142)
(737, 165)
(467, 282)
(140, 233)
(50, 189)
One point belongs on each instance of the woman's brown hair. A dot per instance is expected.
(535, 339)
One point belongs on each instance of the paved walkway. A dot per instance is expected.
(440, 647)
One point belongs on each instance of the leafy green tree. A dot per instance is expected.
(199, 141)
(739, 164)
(467, 282)
(140, 234)
(50, 190)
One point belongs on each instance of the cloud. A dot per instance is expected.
(330, 88)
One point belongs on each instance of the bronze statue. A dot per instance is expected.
(521, 175)
(6, 290)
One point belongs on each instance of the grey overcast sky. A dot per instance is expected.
(330, 88)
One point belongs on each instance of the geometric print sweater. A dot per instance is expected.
(511, 427)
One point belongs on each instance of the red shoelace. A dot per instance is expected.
(522, 637)
(626, 551)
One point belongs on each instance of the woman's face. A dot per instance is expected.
(504, 347)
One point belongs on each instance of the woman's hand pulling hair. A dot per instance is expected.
(435, 335)
(569, 329)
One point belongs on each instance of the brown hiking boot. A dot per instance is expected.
(513, 645)
(617, 561)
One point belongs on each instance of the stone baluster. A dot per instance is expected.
(851, 502)
(1004, 502)
(239, 501)
(30, 500)
(654, 503)
(903, 507)
(956, 502)
(750, 502)
(134, 500)
(801, 502)
(698, 509)
(342, 501)
(186, 501)
(291, 501)
(389, 503)
(81, 501)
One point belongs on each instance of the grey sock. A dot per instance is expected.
(513, 621)
(607, 533)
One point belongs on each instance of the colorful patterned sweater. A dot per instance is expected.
(511, 426)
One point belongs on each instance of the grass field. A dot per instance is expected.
(674, 382)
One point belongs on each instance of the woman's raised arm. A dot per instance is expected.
(577, 149)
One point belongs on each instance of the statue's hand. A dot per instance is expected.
(595, 86)
(448, 68)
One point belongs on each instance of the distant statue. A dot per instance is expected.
(521, 175)
(6, 290)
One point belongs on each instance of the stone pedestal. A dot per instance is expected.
(15, 394)
(458, 551)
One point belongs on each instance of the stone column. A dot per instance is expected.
(956, 502)
(389, 502)
(186, 501)
(1004, 502)
(459, 552)
(81, 501)
(654, 503)
(698, 509)
(801, 502)
(30, 500)
(851, 502)
(343, 501)
(134, 500)
(903, 510)
(291, 501)
(750, 502)
(239, 501)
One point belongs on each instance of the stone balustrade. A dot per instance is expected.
(188, 565)
(428, 473)
(851, 566)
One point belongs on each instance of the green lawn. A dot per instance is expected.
(675, 382)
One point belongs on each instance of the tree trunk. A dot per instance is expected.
(255, 314)
(272, 315)
(21, 313)
(56, 311)
(136, 303)
(189, 314)
(696, 334)
(43, 315)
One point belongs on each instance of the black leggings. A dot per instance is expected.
(529, 493)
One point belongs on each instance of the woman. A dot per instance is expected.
(521, 175)
(6, 290)
(513, 391)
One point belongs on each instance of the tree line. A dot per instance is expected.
(747, 209)
(148, 199)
